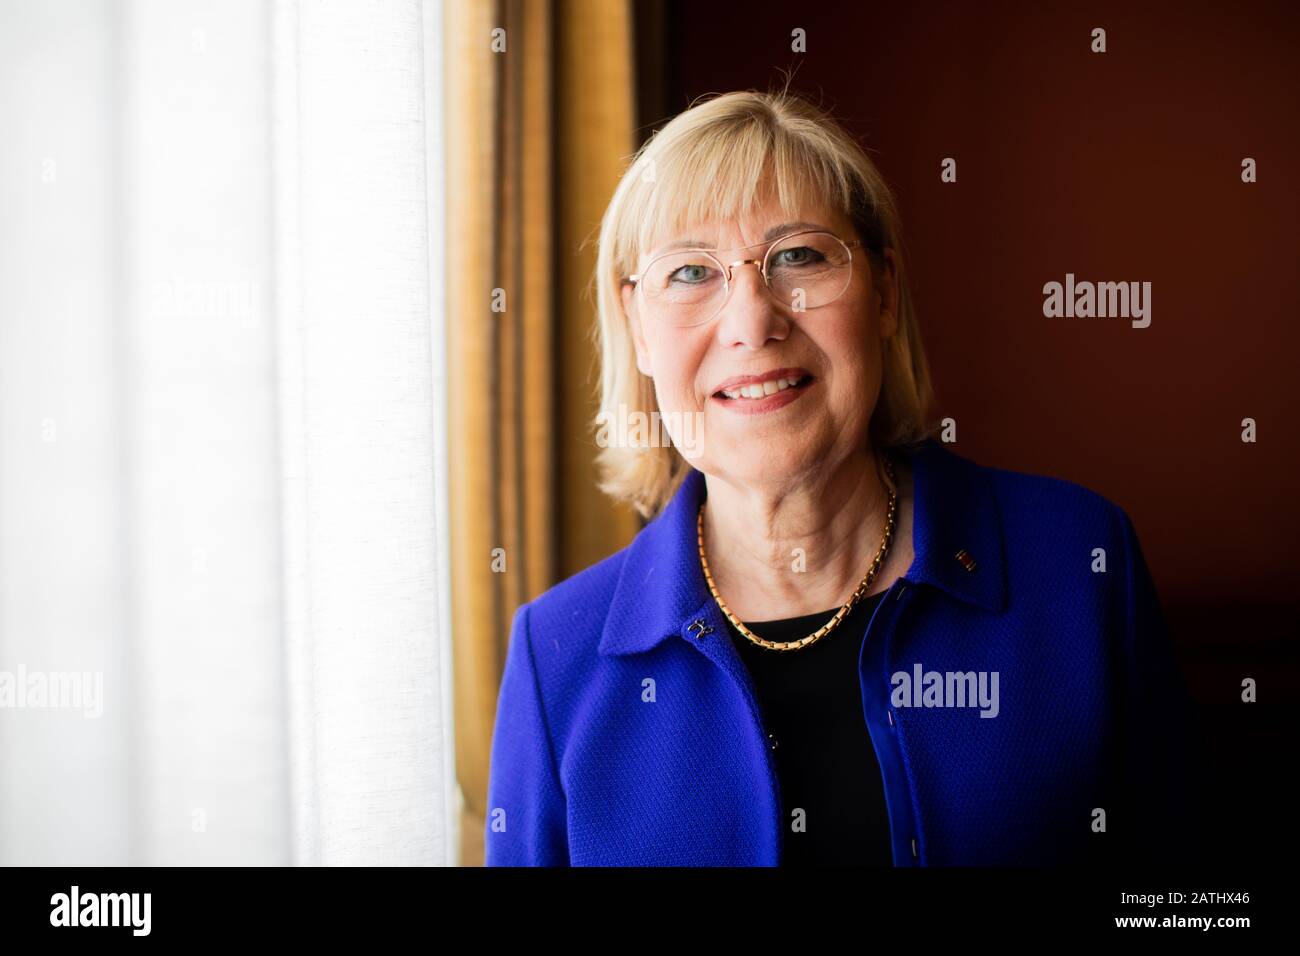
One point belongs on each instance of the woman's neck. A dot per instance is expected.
(785, 551)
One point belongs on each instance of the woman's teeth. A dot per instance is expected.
(758, 390)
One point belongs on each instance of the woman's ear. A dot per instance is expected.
(634, 322)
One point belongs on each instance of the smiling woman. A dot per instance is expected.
(722, 690)
(763, 181)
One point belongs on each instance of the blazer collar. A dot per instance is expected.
(956, 537)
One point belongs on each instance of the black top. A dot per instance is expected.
(811, 701)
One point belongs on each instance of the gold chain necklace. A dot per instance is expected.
(834, 622)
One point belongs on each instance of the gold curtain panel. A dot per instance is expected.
(537, 135)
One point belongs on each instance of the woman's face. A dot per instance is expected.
(834, 351)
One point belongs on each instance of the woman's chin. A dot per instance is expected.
(759, 464)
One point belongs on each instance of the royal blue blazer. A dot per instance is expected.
(628, 731)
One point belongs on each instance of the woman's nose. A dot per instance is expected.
(750, 316)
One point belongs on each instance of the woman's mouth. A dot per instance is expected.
(754, 398)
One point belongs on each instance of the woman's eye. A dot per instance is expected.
(690, 274)
(798, 256)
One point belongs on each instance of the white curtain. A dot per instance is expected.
(220, 427)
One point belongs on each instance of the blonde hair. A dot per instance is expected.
(709, 163)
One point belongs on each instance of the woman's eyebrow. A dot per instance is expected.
(768, 236)
(789, 227)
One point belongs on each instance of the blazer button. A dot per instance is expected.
(772, 738)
